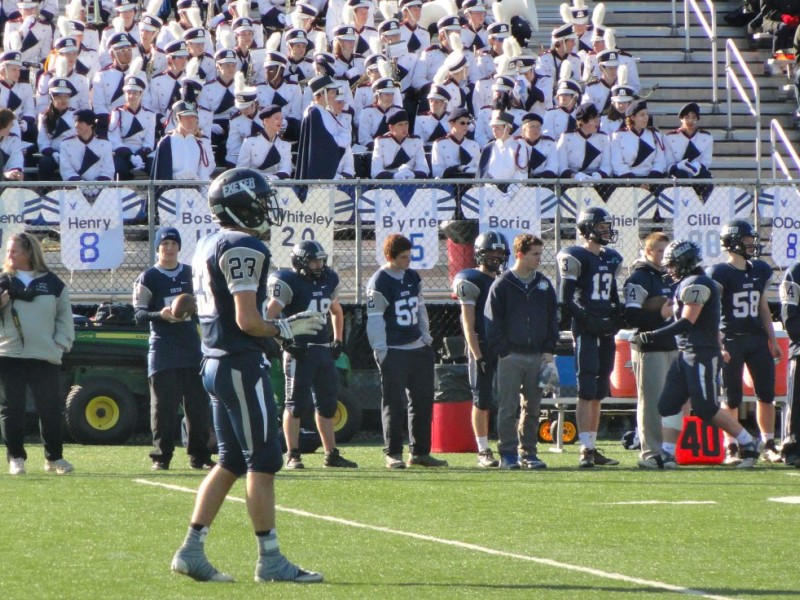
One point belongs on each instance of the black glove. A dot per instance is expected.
(483, 366)
(337, 347)
(641, 338)
(298, 350)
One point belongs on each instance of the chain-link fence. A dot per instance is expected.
(96, 236)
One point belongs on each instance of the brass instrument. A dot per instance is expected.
(148, 70)
(358, 83)
(250, 75)
(97, 17)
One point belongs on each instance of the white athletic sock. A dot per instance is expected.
(483, 443)
(593, 435)
(668, 448)
(729, 440)
(585, 439)
(744, 437)
(765, 437)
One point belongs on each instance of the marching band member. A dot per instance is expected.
(498, 157)
(132, 129)
(107, 83)
(12, 160)
(503, 100)
(579, 18)
(344, 115)
(535, 91)
(398, 155)
(188, 12)
(153, 59)
(267, 152)
(217, 97)
(17, 96)
(537, 154)
(584, 154)
(164, 89)
(323, 139)
(486, 58)
(349, 64)
(689, 149)
(55, 124)
(637, 150)
(621, 97)
(551, 63)
(250, 56)
(64, 68)
(474, 33)
(598, 91)
(561, 118)
(123, 22)
(433, 57)
(455, 156)
(403, 62)
(299, 68)
(416, 38)
(196, 43)
(357, 14)
(84, 156)
(184, 153)
(278, 90)
(373, 120)
(608, 41)
(432, 125)
(31, 35)
(243, 123)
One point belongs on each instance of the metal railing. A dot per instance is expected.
(754, 105)
(711, 32)
(777, 134)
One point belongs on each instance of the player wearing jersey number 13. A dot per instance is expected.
(748, 333)
(588, 294)
(230, 280)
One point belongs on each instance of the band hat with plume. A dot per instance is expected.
(388, 8)
(524, 9)
(244, 95)
(66, 45)
(383, 85)
(622, 92)
(241, 24)
(435, 10)
(59, 85)
(579, 12)
(501, 117)
(567, 85)
(499, 29)
(439, 93)
(296, 36)
(608, 58)
(473, 6)
(195, 35)
(598, 15)
(124, 5)
(150, 19)
(275, 59)
(345, 32)
(135, 79)
(119, 41)
(12, 58)
(563, 32)
(321, 83)
(371, 63)
(502, 84)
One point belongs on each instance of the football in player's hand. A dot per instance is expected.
(654, 303)
(183, 306)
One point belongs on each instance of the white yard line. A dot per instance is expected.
(647, 502)
(466, 546)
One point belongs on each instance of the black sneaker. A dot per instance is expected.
(749, 455)
(770, 452)
(603, 461)
(587, 458)
(159, 465)
(486, 459)
(294, 460)
(202, 464)
(335, 460)
(531, 462)
(425, 460)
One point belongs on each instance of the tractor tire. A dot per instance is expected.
(100, 411)
(347, 420)
(544, 433)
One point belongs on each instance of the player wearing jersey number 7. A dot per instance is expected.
(230, 280)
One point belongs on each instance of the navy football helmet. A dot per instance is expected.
(306, 251)
(588, 221)
(681, 258)
(244, 198)
(732, 238)
(489, 241)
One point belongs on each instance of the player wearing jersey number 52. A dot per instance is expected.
(398, 331)
(35, 330)
(309, 361)
(230, 281)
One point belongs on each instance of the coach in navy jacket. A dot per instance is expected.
(522, 329)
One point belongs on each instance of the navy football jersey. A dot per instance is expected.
(296, 293)
(172, 345)
(224, 263)
(699, 289)
(398, 300)
(741, 295)
(790, 303)
(471, 286)
(595, 277)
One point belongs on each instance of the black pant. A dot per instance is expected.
(411, 371)
(16, 375)
(167, 389)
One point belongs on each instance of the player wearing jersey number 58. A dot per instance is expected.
(694, 374)
(309, 361)
(398, 331)
(173, 359)
(230, 282)
(749, 336)
(589, 295)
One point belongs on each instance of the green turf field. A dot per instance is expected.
(105, 532)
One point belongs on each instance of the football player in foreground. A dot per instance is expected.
(694, 374)
(230, 270)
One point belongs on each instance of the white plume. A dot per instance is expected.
(598, 14)
(566, 14)
(622, 75)
(61, 68)
(274, 42)
(610, 39)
